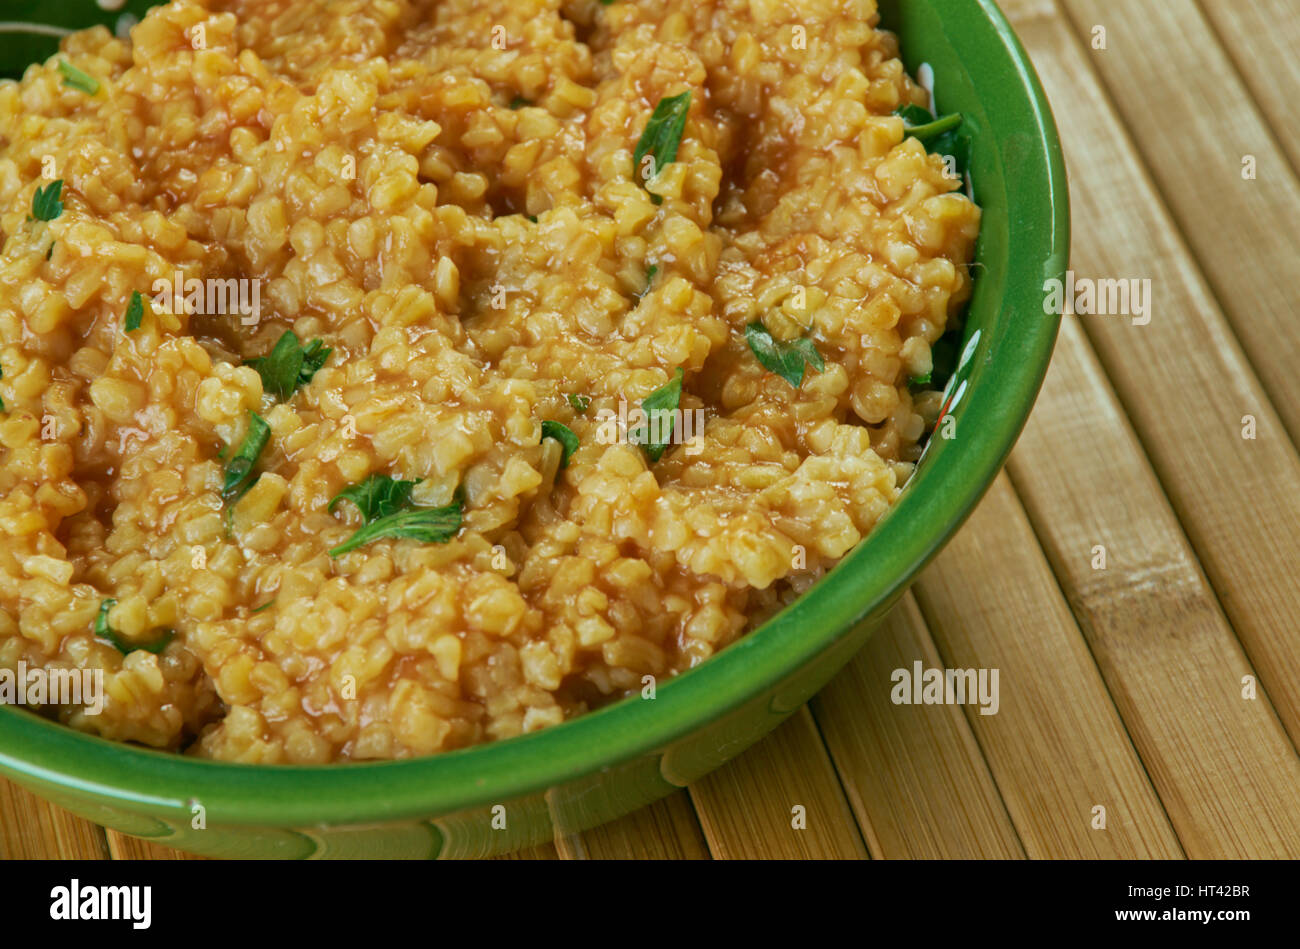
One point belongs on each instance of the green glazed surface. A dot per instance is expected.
(502, 796)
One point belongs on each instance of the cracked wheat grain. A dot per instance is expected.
(376, 166)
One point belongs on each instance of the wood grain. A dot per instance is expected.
(1183, 380)
(1261, 37)
(747, 807)
(1198, 123)
(914, 774)
(34, 829)
(1056, 745)
(1225, 770)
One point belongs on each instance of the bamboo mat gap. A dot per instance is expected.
(1123, 728)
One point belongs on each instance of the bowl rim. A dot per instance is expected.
(46, 755)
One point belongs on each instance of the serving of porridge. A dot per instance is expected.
(382, 377)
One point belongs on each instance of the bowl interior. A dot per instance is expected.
(981, 71)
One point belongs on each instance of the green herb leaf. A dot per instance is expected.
(377, 496)
(50, 253)
(105, 632)
(919, 124)
(787, 360)
(289, 365)
(920, 382)
(431, 525)
(913, 116)
(662, 136)
(649, 280)
(533, 218)
(665, 399)
(265, 606)
(940, 136)
(565, 436)
(134, 312)
(74, 77)
(239, 470)
(956, 145)
(385, 503)
(102, 628)
(313, 358)
(46, 205)
(518, 102)
(580, 403)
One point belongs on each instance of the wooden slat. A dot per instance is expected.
(665, 830)
(1056, 745)
(1196, 122)
(747, 807)
(914, 773)
(1225, 770)
(1182, 379)
(34, 829)
(1262, 37)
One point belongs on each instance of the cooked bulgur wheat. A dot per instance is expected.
(463, 226)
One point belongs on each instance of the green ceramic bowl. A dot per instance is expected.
(571, 777)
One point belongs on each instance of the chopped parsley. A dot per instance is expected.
(385, 504)
(941, 136)
(265, 606)
(378, 496)
(664, 400)
(46, 205)
(289, 364)
(431, 525)
(649, 280)
(518, 102)
(919, 124)
(134, 312)
(787, 360)
(662, 136)
(564, 435)
(580, 403)
(105, 632)
(239, 470)
(74, 77)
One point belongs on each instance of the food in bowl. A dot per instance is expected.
(385, 378)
